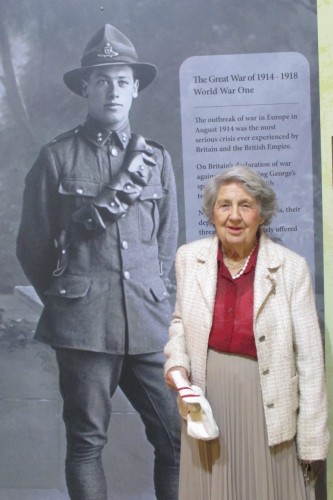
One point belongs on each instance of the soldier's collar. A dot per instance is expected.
(98, 135)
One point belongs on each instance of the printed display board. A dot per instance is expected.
(251, 109)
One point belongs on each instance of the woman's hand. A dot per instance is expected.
(311, 470)
(169, 378)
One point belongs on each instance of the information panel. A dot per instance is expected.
(251, 109)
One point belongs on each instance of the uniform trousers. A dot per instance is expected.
(87, 382)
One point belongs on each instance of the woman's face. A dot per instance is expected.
(236, 217)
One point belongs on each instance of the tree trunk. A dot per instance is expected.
(15, 100)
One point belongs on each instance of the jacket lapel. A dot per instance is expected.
(206, 272)
(268, 262)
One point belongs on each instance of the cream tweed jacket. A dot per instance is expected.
(287, 337)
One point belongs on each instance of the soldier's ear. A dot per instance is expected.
(136, 88)
(84, 88)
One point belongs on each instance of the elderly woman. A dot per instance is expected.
(245, 331)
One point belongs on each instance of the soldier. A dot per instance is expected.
(97, 240)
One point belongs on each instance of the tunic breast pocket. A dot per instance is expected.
(148, 212)
(79, 190)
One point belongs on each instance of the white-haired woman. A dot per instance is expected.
(245, 331)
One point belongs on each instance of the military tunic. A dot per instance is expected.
(103, 291)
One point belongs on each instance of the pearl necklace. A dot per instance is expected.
(234, 265)
(244, 262)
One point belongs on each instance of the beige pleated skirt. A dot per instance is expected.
(239, 465)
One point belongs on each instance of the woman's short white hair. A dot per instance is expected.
(250, 182)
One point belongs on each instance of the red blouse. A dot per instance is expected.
(232, 328)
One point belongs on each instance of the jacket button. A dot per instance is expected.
(270, 405)
(126, 275)
(63, 291)
(79, 190)
(265, 372)
(114, 152)
(124, 245)
(262, 338)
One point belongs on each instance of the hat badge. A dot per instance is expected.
(108, 51)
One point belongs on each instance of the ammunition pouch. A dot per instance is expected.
(115, 199)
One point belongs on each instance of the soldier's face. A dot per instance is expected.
(110, 92)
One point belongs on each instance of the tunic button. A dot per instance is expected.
(63, 291)
(155, 195)
(165, 294)
(99, 137)
(265, 372)
(126, 275)
(63, 251)
(124, 245)
(79, 190)
(262, 338)
(114, 152)
(123, 137)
